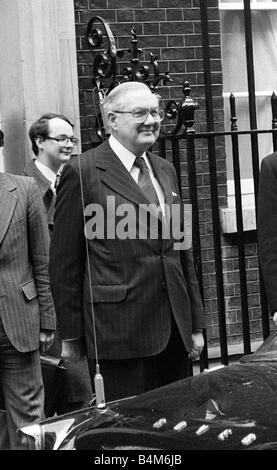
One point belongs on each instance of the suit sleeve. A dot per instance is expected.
(67, 255)
(267, 228)
(38, 241)
(187, 263)
(197, 310)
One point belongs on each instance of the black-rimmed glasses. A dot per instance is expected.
(63, 139)
(141, 114)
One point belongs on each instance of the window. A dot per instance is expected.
(264, 33)
(255, 4)
(264, 29)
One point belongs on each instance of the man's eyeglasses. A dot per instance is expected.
(63, 140)
(141, 114)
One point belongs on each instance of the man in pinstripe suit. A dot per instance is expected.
(148, 310)
(27, 315)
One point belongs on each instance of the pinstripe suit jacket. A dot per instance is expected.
(127, 276)
(45, 188)
(77, 384)
(26, 304)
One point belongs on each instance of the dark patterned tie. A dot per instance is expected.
(144, 181)
(57, 180)
(51, 209)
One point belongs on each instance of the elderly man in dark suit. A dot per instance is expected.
(148, 315)
(27, 314)
(267, 229)
(53, 141)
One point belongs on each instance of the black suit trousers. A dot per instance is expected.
(129, 377)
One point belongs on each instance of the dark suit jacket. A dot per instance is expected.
(47, 194)
(267, 227)
(26, 304)
(128, 277)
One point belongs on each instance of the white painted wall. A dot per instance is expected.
(38, 70)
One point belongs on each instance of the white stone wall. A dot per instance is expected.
(38, 72)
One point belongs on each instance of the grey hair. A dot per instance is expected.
(114, 99)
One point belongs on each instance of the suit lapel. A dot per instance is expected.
(116, 176)
(42, 182)
(162, 177)
(8, 202)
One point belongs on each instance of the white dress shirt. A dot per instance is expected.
(128, 159)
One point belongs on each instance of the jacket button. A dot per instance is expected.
(163, 285)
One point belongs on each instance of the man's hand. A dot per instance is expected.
(274, 318)
(46, 338)
(197, 346)
(73, 350)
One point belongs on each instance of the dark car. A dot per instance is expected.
(228, 408)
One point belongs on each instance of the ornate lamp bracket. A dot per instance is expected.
(104, 64)
(106, 76)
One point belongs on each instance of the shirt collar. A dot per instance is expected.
(126, 157)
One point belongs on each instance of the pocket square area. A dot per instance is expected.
(174, 194)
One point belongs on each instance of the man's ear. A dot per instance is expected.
(112, 120)
(39, 141)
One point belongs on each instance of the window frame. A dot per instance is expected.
(228, 215)
(254, 5)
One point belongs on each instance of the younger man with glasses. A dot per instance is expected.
(52, 137)
(147, 307)
(52, 143)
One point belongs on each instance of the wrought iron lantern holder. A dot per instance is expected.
(105, 77)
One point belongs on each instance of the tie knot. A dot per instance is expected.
(140, 163)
